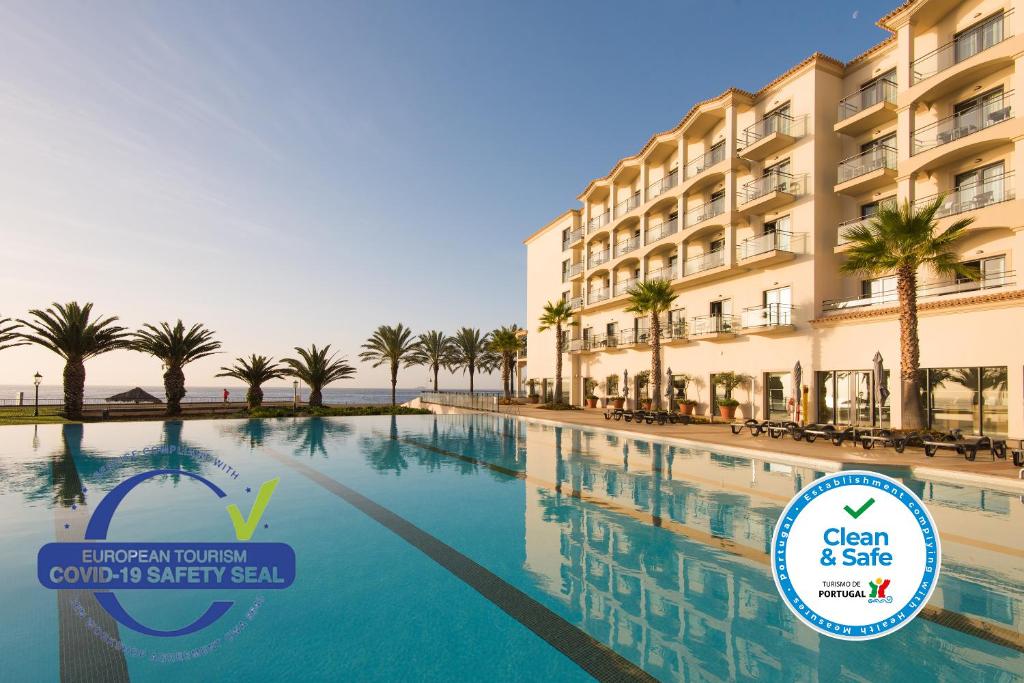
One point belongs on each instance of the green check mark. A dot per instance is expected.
(244, 528)
(859, 511)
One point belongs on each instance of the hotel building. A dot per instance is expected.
(743, 207)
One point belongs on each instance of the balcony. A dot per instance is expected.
(767, 193)
(963, 124)
(766, 136)
(975, 197)
(626, 205)
(598, 295)
(713, 156)
(869, 107)
(576, 303)
(660, 187)
(867, 171)
(771, 247)
(577, 345)
(675, 331)
(925, 291)
(598, 258)
(626, 246)
(574, 237)
(623, 286)
(521, 353)
(705, 264)
(768, 319)
(666, 273)
(598, 222)
(574, 270)
(713, 327)
(983, 37)
(661, 230)
(705, 211)
(636, 336)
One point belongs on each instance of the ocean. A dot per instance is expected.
(332, 395)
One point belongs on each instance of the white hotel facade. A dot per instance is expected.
(743, 206)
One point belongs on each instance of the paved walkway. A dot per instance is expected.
(945, 465)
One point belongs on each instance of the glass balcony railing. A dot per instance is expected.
(773, 123)
(698, 264)
(598, 222)
(705, 161)
(985, 35)
(577, 345)
(927, 290)
(637, 336)
(660, 187)
(867, 97)
(712, 324)
(596, 295)
(979, 117)
(769, 315)
(622, 286)
(861, 164)
(576, 303)
(627, 205)
(973, 196)
(675, 329)
(705, 211)
(599, 257)
(573, 237)
(667, 273)
(845, 226)
(773, 182)
(602, 341)
(657, 232)
(573, 270)
(779, 240)
(627, 245)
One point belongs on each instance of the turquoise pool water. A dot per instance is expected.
(646, 554)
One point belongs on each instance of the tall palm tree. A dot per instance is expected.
(9, 337)
(653, 298)
(394, 346)
(504, 344)
(254, 371)
(436, 350)
(70, 331)
(175, 347)
(903, 239)
(556, 314)
(470, 352)
(317, 369)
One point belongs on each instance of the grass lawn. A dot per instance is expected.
(23, 416)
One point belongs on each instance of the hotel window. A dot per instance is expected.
(717, 244)
(848, 397)
(565, 339)
(587, 333)
(565, 270)
(874, 91)
(879, 289)
(992, 270)
(778, 306)
(717, 201)
(780, 228)
(871, 208)
(778, 175)
(777, 120)
(981, 36)
(565, 296)
(972, 399)
(878, 143)
(775, 388)
(978, 112)
(610, 329)
(979, 187)
(676, 322)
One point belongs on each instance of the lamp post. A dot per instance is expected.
(295, 394)
(37, 380)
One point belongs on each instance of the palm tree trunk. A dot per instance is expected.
(316, 396)
(74, 388)
(254, 397)
(557, 398)
(910, 350)
(394, 381)
(436, 368)
(506, 384)
(472, 369)
(655, 361)
(174, 387)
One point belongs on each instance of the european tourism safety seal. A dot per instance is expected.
(856, 555)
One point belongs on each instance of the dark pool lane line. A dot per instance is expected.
(593, 656)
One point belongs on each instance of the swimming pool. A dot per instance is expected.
(474, 547)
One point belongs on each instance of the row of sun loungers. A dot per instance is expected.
(648, 416)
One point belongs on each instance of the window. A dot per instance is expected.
(565, 296)
(871, 208)
(780, 229)
(610, 329)
(565, 339)
(879, 289)
(980, 187)
(848, 397)
(777, 120)
(980, 112)
(721, 307)
(775, 169)
(981, 36)
(717, 244)
(717, 201)
(972, 399)
(775, 384)
(992, 269)
(878, 143)
(874, 90)
(565, 270)
(778, 306)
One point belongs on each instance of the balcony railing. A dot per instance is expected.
(674, 330)
(973, 197)
(660, 187)
(873, 159)
(773, 182)
(667, 273)
(705, 161)
(603, 341)
(712, 324)
(769, 315)
(599, 257)
(521, 353)
(626, 246)
(596, 295)
(627, 205)
(575, 269)
(780, 240)
(705, 211)
(598, 222)
(867, 97)
(634, 336)
(576, 303)
(926, 290)
(661, 230)
(697, 264)
(845, 227)
(773, 123)
(573, 237)
(960, 125)
(577, 345)
(985, 35)
(622, 286)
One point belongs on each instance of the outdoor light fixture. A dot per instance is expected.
(37, 379)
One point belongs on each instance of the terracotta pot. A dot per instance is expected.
(686, 408)
(619, 402)
(591, 402)
(727, 412)
(647, 403)
(535, 399)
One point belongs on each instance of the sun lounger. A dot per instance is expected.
(616, 414)
(869, 438)
(831, 432)
(756, 428)
(967, 447)
(1018, 454)
(777, 430)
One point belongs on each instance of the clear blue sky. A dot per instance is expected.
(296, 172)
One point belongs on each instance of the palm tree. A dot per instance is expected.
(9, 337)
(504, 344)
(470, 352)
(175, 347)
(653, 298)
(69, 331)
(394, 346)
(902, 239)
(317, 369)
(556, 314)
(254, 371)
(436, 350)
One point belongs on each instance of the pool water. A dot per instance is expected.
(474, 547)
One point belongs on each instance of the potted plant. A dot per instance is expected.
(680, 382)
(589, 387)
(611, 386)
(532, 384)
(729, 381)
(643, 378)
(727, 408)
(687, 406)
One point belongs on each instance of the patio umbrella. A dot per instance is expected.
(671, 390)
(136, 395)
(881, 384)
(798, 378)
(625, 383)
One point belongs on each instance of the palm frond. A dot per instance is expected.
(175, 346)
(69, 331)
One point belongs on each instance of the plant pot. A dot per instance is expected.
(646, 404)
(618, 403)
(591, 402)
(535, 399)
(727, 412)
(686, 408)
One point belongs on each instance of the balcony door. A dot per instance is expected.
(779, 230)
(874, 91)
(992, 269)
(979, 112)
(981, 36)
(778, 306)
(980, 187)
